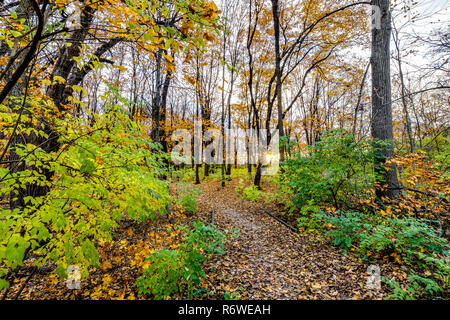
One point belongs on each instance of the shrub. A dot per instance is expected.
(240, 187)
(164, 275)
(310, 220)
(231, 296)
(408, 240)
(177, 175)
(205, 238)
(188, 199)
(103, 172)
(251, 193)
(179, 271)
(336, 170)
(347, 228)
(417, 288)
(438, 155)
(414, 241)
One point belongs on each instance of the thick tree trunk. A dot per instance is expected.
(60, 92)
(65, 63)
(382, 128)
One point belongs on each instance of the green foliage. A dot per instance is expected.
(230, 296)
(336, 170)
(177, 175)
(417, 288)
(438, 149)
(416, 242)
(102, 172)
(347, 228)
(240, 187)
(241, 173)
(188, 198)
(163, 277)
(409, 241)
(179, 271)
(204, 238)
(251, 193)
(202, 292)
(310, 218)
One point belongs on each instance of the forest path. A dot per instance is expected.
(269, 261)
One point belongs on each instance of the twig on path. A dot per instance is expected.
(280, 220)
(25, 283)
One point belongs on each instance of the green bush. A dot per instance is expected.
(230, 296)
(251, 193)
(417, 288)
(414, 241)
(205, 238)
(103, 172)
(347, 228)
(336, 170)
(188, 198)
(438, 149)
(164, 275)
(410, 241)
(179, 271)
(310, 220)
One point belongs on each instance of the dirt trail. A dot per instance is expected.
(268, 261)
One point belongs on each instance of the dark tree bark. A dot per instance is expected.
(163, 111)
(256, 119)
(59, 93)
(156, 106)
(64, 66)
(16, 88)
(382, 128)
(278, 86)
(222, 114)
(30, 52)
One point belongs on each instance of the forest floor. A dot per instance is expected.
(264, 260)
(267, 260)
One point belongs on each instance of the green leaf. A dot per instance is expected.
(87, 167)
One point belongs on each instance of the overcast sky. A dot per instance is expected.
(432, 14)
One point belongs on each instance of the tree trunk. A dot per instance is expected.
(382, 128)
(16, 84)
(156, 106)
(278, 87)
(403, 88)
